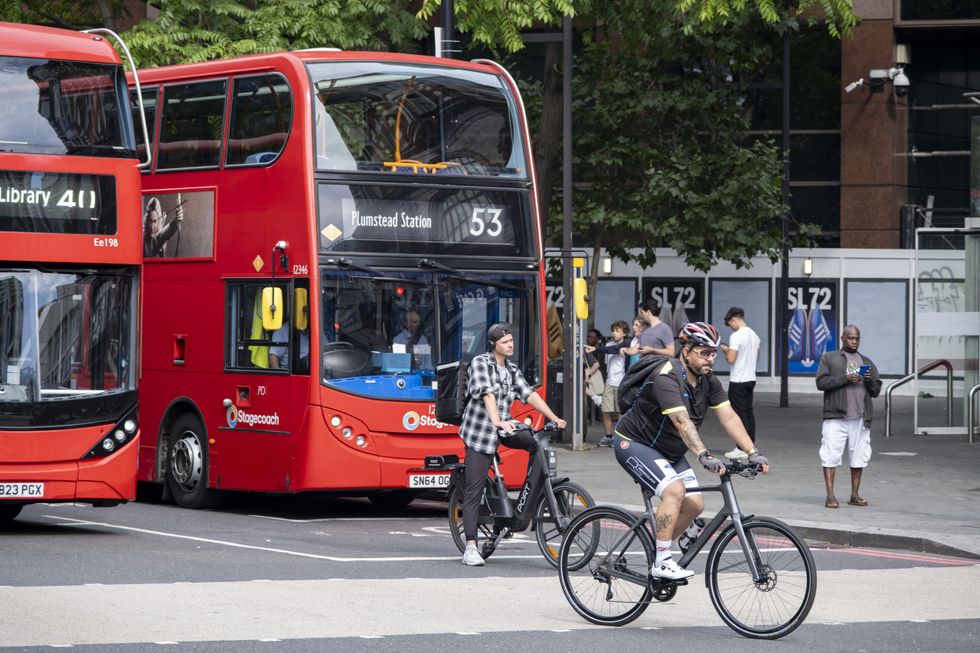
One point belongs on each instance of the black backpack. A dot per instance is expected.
(452, 380)
(636, 376)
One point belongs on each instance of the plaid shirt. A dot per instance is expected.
(477, 431)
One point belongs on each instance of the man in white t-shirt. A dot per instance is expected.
(742, 353)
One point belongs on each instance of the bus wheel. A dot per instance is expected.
(187, 465)
(392, 500)
(8, 513)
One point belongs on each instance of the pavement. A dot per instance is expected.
(923, 491)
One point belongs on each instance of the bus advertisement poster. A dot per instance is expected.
(178, 225)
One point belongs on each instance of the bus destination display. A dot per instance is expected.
(354, 218)
(57, 202)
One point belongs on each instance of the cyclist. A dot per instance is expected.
(494, 384)
(651, 438)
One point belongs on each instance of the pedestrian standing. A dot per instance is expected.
(615, 357)
(656, 337)
(742, 353)
(849, 381)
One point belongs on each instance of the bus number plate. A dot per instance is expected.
(428, 480)
(21, 490)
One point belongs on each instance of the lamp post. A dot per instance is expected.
(571, 351)
(783, 303)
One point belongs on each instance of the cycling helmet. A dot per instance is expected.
(699, 333)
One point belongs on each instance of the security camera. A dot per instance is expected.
(900, 81)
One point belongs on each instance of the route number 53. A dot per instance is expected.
(486, 221)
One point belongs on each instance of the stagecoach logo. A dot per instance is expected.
(234, 416)
(412, 420)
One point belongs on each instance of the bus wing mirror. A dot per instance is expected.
(301, 309)
(272, 308)
(581, 299)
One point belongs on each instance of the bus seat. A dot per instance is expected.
(261, 157)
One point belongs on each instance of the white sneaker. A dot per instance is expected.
(472, 557)
(669, 570)
(736, 454)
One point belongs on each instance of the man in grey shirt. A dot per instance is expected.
(657, 337)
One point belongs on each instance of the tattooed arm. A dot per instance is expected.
(688, 432)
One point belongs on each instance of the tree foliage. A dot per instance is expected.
(838, 15)
(193, 30)
(499, 23)
(661, 158)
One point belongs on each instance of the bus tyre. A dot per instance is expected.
(187, 465)
(9, 513)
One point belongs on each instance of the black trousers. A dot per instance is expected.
(477, 466)
(740, 394)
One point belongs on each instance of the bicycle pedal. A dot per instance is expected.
(666, 583)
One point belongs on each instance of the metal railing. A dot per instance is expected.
(970, 401)
(949, 392)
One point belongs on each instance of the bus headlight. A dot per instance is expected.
(121, 433)
(347, 432)
(335, 421)
(361, 441)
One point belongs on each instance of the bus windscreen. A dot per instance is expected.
(66, 346)
(395, 118)
(64, 107)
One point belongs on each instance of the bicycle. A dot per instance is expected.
(548, 506)
(759, 573)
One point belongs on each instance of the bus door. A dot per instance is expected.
(266, 381)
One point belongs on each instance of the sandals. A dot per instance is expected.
(831, 503)
(857, 502)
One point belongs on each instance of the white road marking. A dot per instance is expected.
(320, 609)
(267, 549)
(326, 519)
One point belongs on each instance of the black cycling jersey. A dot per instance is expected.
(648, 419)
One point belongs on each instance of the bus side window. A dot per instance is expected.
(191, 124)
(261, 115)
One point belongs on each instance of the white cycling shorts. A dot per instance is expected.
(852, 433)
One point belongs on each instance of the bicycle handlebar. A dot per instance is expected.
(743, 469)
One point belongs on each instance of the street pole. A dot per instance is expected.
(449, 46)
(783, 303)
(569, 397)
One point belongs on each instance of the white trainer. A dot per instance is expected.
(736, 454)
(472, 557)
(669, 570)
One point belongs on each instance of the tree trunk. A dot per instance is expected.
(594, 275)
(548, 147)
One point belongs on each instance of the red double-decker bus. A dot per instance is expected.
(385, 206)
(69, 271)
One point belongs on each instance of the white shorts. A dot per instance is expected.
(850, 432)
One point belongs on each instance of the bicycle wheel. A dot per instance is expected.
(571, 499)
(776, 605)
(604, 566)
(484, 529)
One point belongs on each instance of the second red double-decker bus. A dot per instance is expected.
(322, 229)
(69, 271)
